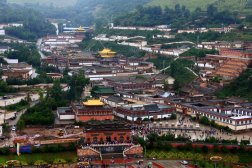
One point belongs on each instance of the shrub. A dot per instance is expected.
(6, 150)
(224, 149)
(250, 150)
(173, 116)
(204, 149)
(188, 146)
(146, 119)
(43, 149)
(194, 160)
(242, 148)
(216, 148)
(180, 147)
(168, 146)
(197, 149)
(36, 150)
(150, 146)
(234, 149)
(21, 163)
(202, 163)
(71, 146)
(152, 119)
(139, 118)
(159, 145)
(40, 162)
(59, 161)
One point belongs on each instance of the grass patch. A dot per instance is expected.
(175, 154)
(47, 157)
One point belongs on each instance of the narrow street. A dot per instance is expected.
(14, 122)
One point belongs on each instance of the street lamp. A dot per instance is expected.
(215, 159)
(5, 111)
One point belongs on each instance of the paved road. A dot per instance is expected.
(13, 122)
(38, 45)
(56, 25)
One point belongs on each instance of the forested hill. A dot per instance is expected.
(85, 12)
(34, 23)
(232, 5)
(177, 17)
(241, 86)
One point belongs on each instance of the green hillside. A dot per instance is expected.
(59, 3)
(233, 5)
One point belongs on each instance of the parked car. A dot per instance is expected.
(2, 138)
(12, 118)
(184, 162)
(49, 127)
(13, 129)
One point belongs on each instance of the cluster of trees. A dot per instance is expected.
(2, 61)
(17, 106)
(199, 52)
(206, 121)
(109, 8)
(4, 88)
(178, 71)
(241, 86)
(178, 17)
(41, 114)
(152, 15)
(34, 23)
(28, 54)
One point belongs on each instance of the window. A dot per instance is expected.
(237, 122)
(241, 122)
(101, 134)
(230, 122)
(246, 122)
(244, 112)
(223, 119)
(249, 121)
(227, 121)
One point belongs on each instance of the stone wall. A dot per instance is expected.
(86, 152)
(135, 150)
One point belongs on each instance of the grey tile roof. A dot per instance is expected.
(151, 108)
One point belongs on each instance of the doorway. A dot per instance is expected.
(108, 138)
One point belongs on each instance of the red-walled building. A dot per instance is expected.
(107, 130)
(236, 52)
(91, 109)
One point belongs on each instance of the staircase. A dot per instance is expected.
(114, 155)
(192, 71)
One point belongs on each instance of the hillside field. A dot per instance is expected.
(233, 5)
(59, 3)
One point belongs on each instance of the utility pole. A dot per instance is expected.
(163, 64)
(197, 41)
(5, 111)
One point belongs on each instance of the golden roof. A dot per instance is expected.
(80, 28)
(93, 103)
(106, 51)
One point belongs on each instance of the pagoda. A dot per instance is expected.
(80, 30)
(107, 53)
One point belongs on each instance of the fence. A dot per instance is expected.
(201, 144)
